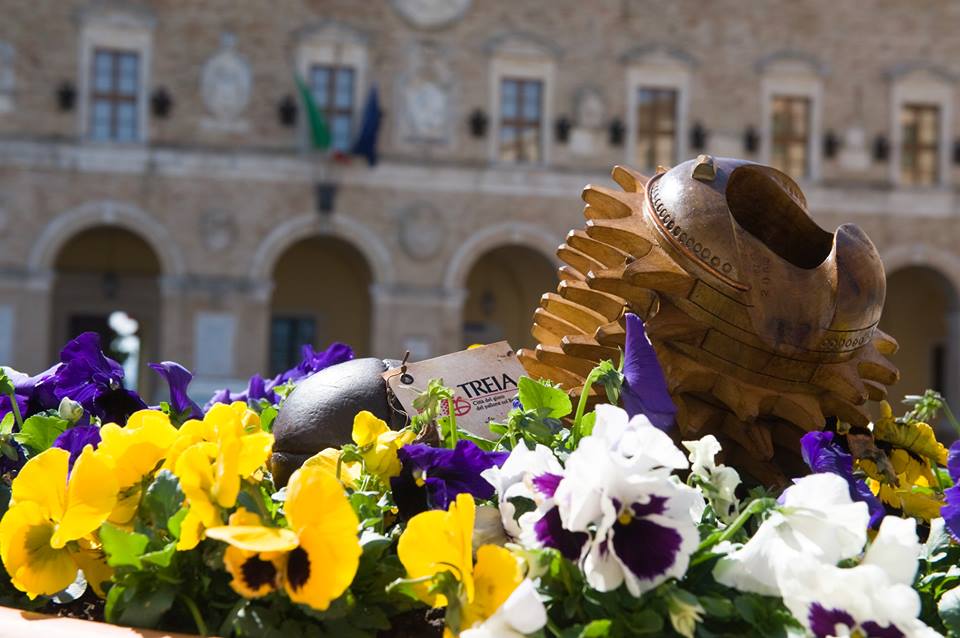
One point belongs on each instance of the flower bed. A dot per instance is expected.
(574, 522)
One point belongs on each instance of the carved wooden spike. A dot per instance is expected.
(612, 335)
(586, 319)
(874, 367)
(568, 273)
(540, 370)
(885, 344)
(630, 235)
(584, 347)
(544, 336)
(751, 436)
(582, 262)
(629, 180)
(643, 302)
(842, 380)
(606, 254)
(606, 202)
(556, 325)
(554, 356)
(852, 414)
(610, 306)
(699, 416)
(876, 391)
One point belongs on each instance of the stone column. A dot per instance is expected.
(30, 304)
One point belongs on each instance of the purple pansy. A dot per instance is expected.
(824, 622)
(644, 386)
(431, 477)
(951, 508)
(259, 388)
(178, 379)
(315, 361)
(94, 381)
(33, 394)
(822, 453)
(76, 438)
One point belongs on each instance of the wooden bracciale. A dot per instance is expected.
(764, 323)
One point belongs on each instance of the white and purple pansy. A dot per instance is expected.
(644, 540)
(517, 479)
(816, 520)
(951, 508)
(874, 599)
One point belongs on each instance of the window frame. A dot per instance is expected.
(520, 59)
(122, 33)
(114, 97)
(917, 148)
(921, 86)
(520, 123)
(331, 110)
(791, 138)
(333, 45)
(658, 71)
(793, 79)
(653, 130)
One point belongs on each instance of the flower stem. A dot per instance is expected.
(755, 507)
(582, 404)
(452, 422)
(197, 618)
(16, 410)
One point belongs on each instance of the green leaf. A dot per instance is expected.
(176, 520)
(161, 557)
(142, 604)
(6, 425)
(587, 423)
(545, 399)
(596, 629)
(949, 608)
(161, 500)
(267, 416)
(122, 547)
(39, 432)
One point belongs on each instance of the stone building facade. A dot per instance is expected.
(154, 159)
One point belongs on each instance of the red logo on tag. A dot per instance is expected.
(461, 407)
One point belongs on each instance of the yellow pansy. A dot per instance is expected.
(135, 450)
(222, 421)
(437, 541)
(328, 460)
(210, 472)
(256, 555)
(379, 444)
(916, 437)
(48, 513)
(316, 558)
(497, 573)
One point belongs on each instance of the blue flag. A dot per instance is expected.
(366, 143)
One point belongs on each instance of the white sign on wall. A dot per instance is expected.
(213, 337)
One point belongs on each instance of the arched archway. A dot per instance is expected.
(504, 287)
(921, 304)
(103, 277)
(321, 293)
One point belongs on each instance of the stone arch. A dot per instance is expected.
(487, 239)
(285, 235)
(65, 226)
(905, 255)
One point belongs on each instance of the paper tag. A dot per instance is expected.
(484, 382)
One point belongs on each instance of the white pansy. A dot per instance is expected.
(817, 521)
(874, 596)
(521, 614)
(640, 444)
(514, 479)
(721, 482)
(488, 528)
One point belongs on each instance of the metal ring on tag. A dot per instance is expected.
(406, 379)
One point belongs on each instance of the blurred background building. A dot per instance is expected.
(166, 181)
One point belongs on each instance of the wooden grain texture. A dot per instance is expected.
(764, 323)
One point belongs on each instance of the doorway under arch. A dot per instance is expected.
(917, 312)
(504, 287)
(107, 280)
(321, 294)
